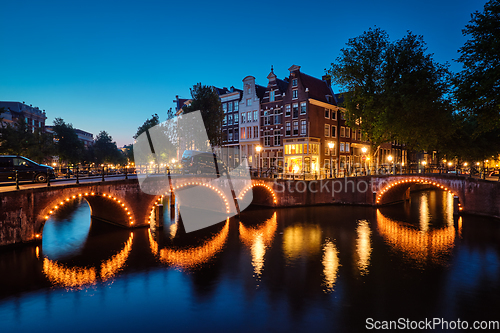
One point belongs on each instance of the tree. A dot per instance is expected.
(206, 100)
(155, 120)
(478, 84)
(394, 90)
(16, 139)
(106, 151)
(69, 147)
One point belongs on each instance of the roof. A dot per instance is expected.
(318, 89)
(260, 91)
(282, 85)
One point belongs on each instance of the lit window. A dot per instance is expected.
(303, 108)
(341, 146)
(347, 147)
(243, 134)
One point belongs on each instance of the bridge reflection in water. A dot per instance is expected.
(427, 243)
(70, 276)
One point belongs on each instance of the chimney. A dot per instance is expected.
(328, 79)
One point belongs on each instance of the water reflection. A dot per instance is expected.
(75, 277)
(330, 265)
(190, 257)
(301, 241)
(258, 239)
(363, 246)
(418, 246)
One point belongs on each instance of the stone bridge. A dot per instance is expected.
(23, 213)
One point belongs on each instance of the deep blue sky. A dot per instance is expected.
(104, 65)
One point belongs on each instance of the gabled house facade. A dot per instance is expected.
(249, 120)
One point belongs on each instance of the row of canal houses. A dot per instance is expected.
(294, 121)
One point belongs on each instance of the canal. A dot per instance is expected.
(308, 269)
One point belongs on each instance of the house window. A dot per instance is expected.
(327, 130)
(347, 132)
(342, 131)
(327, 113)
(230, 119)
(295, 110)
(303, 128)
(256, 131)
(288, 128)
(266, 118)
(230, 107)
(236, 117)
(271, 96)
(359, 135)
(277, 116)
(249, 102)
(224, 121)
(249, 116)
(277, 138)
(334, 115)
(327, 150)
(230, 137)
(255, 118)
(267, 138)
(334, 131)
(235, 135)
(303, 108)
(295, 94)
(224, 107)
(295, 128)
(341, 146)
(249, 132)
(294, 82)
(236, 105)
(287, 110)
(243, 134)
(347, 146)
(243, 118)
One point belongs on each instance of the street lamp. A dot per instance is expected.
(389, 158)
(364, 150)
(424, 163)
(331, 145)
(258, 149)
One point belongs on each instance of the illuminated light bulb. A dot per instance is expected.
(86, 194)
(37, 235)
(130, 217)
(123, 204)
(61, 203)
(67, 199)
(92, 193)
(128, 213)
(79, 194)
(50, 212)
(126, 208)
(119, 201)
(46, 217)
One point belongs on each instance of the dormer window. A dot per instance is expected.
(294, 82)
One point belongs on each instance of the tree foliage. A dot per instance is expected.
(394, 90)
(478, 84)
(153, 121)
(106, 151)
(206, 100)
(69, 147)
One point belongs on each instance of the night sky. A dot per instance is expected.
(104, 65)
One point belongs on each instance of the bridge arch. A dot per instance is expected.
(396, 189)
(103, 206)
(266, 187)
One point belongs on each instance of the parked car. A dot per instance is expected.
(26, 169)
(198, 162)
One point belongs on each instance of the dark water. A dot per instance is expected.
(314, 269)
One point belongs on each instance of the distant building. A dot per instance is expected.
(33, 116)
(249, 119)
(230, 101)
(86, 137)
